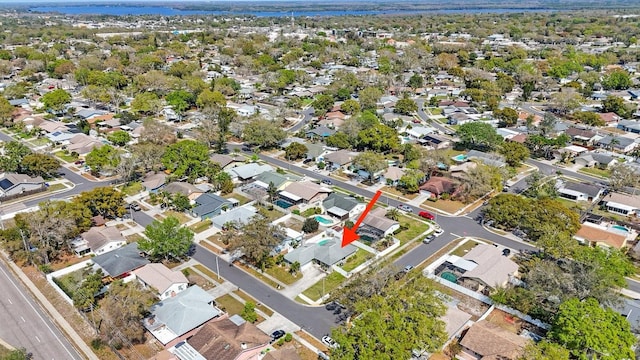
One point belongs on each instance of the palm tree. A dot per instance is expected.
(294, 268)
(612, 144)
(393, 214)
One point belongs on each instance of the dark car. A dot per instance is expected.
(331, 306)
(327, 182)
(306, 161)
(277, 335)
(506, 252)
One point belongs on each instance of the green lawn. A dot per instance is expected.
(596, 172)
(329, 283)
(39, 142)
(178, 215)
(246, 297)
(201, 226)
(283, 275)
(243, 200)
(435, 111)
(308, 212)
(272, 214)
(229, 304)
(450, 206)
(56, 187)
(66, 157)
(416, 228)
(464, 248)
(70, 282)
(132, 188)
(203, 269)
(356, 260)
(133, 238)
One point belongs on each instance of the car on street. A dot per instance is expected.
(428, 239)
(426, 215)
(408, 268)
(323, 356)
(404, 207)
(438, 232)
(135, 207)
(329, 342)
(327, 181)
(277, 335)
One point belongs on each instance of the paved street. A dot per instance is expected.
(24, 324)
(315, 320)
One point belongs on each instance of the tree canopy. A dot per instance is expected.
(264, 133)
(478, 134)
(255, 239)
(56, 100)
(167, 239)
(187, 158)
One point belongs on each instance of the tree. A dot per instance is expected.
(157, 133)
(548, 123)
(211, 99)
(38, 164)
(166, 240)
(322, 104)
(294, 268)
(272, 191)
(393, 214)
(18, 354)
(249, 312)
(402, 316)
(350, 106)
(105, 201)
(371, 162)
(617, 80)
(296, 151)
(56, 100)
(14, 152)
(478, 134)
(514, 153)
(122, 310)
(146, 103)
(588, 118)
(622, 176)
(187, 158)
(119, 138)
(255, 239)
(617, 105)
(85, 296)
(544, 350)
(310, 225)
(379, 138)
(415, 81)
(6, 111)
(264, 133)
(369, 97)
(507, 116)
(180, 100)
(339, 139)
(180, 202)
(411, 180)
(566, 100)
(101, 158)
(588, 330)
(405, 106)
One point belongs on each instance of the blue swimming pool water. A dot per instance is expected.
(323, 242)
(283, 204)
(322, 220)
(621, 228)
(460, 157)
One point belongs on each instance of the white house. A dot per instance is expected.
(164, 281)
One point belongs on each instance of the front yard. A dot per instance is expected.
(66, 157)
(182, 217)
(356, 260)
(464, 248)
(448, 206)
(416, 227)
(243, 200)
(324, 286)
(283, 275)
(594, 171)
(395, 192)
(132, 188)
(201, 226)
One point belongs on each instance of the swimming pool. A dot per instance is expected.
(283, 204)
(620, 228)
(322, 220)
(324, 242)
(460, 158)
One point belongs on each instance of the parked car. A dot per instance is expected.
(408, 268)
(329, 342)
(506, 252)
(327, 182)
(306, 161)
(438, 232)
(426, 215)
(323, 356)
(135, 207)
(404, 207)
(428, 239)
(277, 335)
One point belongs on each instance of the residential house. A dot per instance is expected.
(621, 144)
(119, 263)
(580, 191)
(320, 132)
(60, 137)
(164, 281)
(438, 185)
(632, 126)
(189, 190)
(598, 235)
(98, 240)
(305, 192)
(342, 206)
(486, 340)
(461, 171)
(82, 144)
(339, 159)
(609, 117)
(226, 161)
(53, 126)
(376, 225)
(624, 204)
(419, 132)
(392, 175)
(247, 172)
(236, 216)
(230, 339)
(594, 159)
(491, 270)
(436, 141)
(458, 118)
(14, 185)
(584, 137)
(325, 253)
(153, 182)
(486, 158)
(284, 353)
(180, 316)
(280, 181)
(209, 205)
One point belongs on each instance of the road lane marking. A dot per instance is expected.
(37, 313)
(10, 302)
(23, 320)
(458, 236)
(37, 338)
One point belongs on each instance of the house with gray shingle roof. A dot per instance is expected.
(14, 184)
(248, 171)
(305, 192)
(342, 206)
(189, 190)
(209, 205)
(122, 261)
(320, 132)
(325, 253)
(339, 159)
(622, 144)
(181, 315)
(239, 215)
(580, 191)
(280, 181)
(227, 161)
(591, 159)
(376, 225)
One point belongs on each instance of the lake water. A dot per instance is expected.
(169, 11)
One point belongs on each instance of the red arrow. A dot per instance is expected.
(349, 235)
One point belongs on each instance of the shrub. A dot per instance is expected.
(310, 225)
(186, 272)
(96, 344)
(288, 337)
(45, 268)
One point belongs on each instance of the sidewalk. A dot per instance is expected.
(53, 313)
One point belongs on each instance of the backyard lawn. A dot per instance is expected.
(272, 214)
(243, 200)
(329, 283)
(357, 259)
(70, 282)
(416, 227)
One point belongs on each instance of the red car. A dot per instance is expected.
(426, 215)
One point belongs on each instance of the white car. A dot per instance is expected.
(438, 232)
(330, 342)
